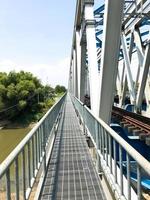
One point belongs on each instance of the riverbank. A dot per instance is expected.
(31, 120)
(6, 124)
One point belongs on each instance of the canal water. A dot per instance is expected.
(9, 138)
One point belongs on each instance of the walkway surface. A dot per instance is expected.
(71, 174)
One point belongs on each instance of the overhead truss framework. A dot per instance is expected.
(111, 54)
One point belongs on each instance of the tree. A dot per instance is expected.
(60, 89)
(22, 94)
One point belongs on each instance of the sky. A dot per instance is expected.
(36, 36)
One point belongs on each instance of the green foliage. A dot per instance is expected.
(22, 96)
(1, 104)
(2, 90)
(49, 103)
(60, 89)
(22, 104)
(11, 92)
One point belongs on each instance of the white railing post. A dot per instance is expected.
(92, 54)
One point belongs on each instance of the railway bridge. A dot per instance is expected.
(94, 142)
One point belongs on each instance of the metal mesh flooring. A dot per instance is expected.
(71, 174)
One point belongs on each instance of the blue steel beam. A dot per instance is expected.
(99, 10)
(99, 23)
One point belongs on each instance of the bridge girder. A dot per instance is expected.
(95, 50)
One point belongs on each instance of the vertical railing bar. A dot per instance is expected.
(43, 146)
(38, 147)
(97, 143)
(8, 190)
(29, 165)
(47, 133)
(94, 129)
(104, 144)
(128, 177)
(105, 156)
(106, 136)
(17, 178)
(115, 160)
(83, 113)
(36, 150)
(139, 195)
(33, 157)
(45, 129)
(23, 174)
(101, 139)
(103, 151)
(121, 169)
(110, 153)
(40, 140)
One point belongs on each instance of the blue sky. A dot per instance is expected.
(36, 35)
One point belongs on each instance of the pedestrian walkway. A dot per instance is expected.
(71, 174)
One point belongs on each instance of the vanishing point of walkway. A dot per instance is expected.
(71, 174)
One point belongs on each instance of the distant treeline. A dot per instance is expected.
(23, 97)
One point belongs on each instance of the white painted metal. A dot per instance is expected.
(140, 54)
(109, 58)
(78, 55)
(83, 76)
(128, 70)
(143, 78)
(71, 80)
(138, 41)
(124, 75)
(75, 73)
(89, 120)
(92, 56)
(73, 77)
(85, 20)
(123, 86)
(130, 22)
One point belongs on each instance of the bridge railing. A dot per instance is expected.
(19, 170)
(115, 157)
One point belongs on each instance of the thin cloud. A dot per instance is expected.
(53, 73)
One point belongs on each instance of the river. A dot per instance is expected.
(9, 138)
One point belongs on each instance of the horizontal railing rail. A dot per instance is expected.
(115, 157)
(19, 170)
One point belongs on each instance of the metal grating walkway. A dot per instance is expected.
(71, 174)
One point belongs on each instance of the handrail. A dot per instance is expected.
(105, 140)
(145, 164)
(32, 149)
(10, 158)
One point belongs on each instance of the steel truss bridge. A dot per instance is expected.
(110, 56)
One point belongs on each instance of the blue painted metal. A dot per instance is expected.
(99, 23)
(98, 45)
(129, 107)
(145, 33)
(145, 181)
(140, 146)
(99, 32)
(145, 21)
(99, 10)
